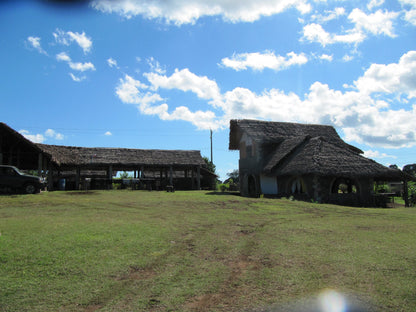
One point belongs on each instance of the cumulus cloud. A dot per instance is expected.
(377, 154)
(112, 62)
(410, 10)
(108, 133)
(34, 42)
(316, 33)
(35, 138)
(40, 138)
(328, 15)
(260, 61)
(374, 3)
(77, 78)
(154, 66)
(50, 133)
(185, 80)
(378, 110)
(64, 57)
(188, 12)
(378, 23)
(326, 57)
(68, 37)
(392, 78)
(148, 102)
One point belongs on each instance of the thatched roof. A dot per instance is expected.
(298, 149)
(318, 156)
(93, 157)
(70, 156)
(267, 132)
(12, 141)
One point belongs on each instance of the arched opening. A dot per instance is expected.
(344, 186)
(297, 186)
(252, 188)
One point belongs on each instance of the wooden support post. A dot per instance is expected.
(78, 178)
(192, 179)
(18, 164)
(40, 165)
(170, 175)
(110, 177)
(198, 177)
(10, 160)
(406, 194)
(50, 176)
(1, 152)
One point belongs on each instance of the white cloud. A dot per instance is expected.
(154, 66)
(410, 10)
(185, 80)
(378, 110)
(374, 3)
(326, 57)
(315, 33)
(378, 23)
(81, 66)
(34, 42)
(132, 91)
(392, 78)
(63, 57)
(188, 12)
(35, 138)
(347, 58)
(108, 133)
(53, 134)
(260, 61)
(329, 15)
(75, 65)
(77, 78)
(112, 62)
(40, 138)
(377, 154)
(66, 38)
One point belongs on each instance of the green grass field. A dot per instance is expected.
(198, 251)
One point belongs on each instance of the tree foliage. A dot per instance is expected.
(209, 165)
(234, 175)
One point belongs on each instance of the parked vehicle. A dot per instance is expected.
(12, 180)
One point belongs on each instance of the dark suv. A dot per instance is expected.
(12, 180)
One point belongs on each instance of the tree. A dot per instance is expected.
(209, 165)
(234, 175)
(125, 175)
(410, 169)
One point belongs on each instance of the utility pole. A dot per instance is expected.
(212, 161)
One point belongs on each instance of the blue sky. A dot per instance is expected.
(161, 74)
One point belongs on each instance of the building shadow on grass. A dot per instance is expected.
(223, 193)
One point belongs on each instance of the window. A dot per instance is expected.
(297, 186)
(344, 186)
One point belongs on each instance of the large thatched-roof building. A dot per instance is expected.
(185, 169)
(305, 161)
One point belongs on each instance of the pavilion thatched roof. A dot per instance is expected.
(71, 156)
